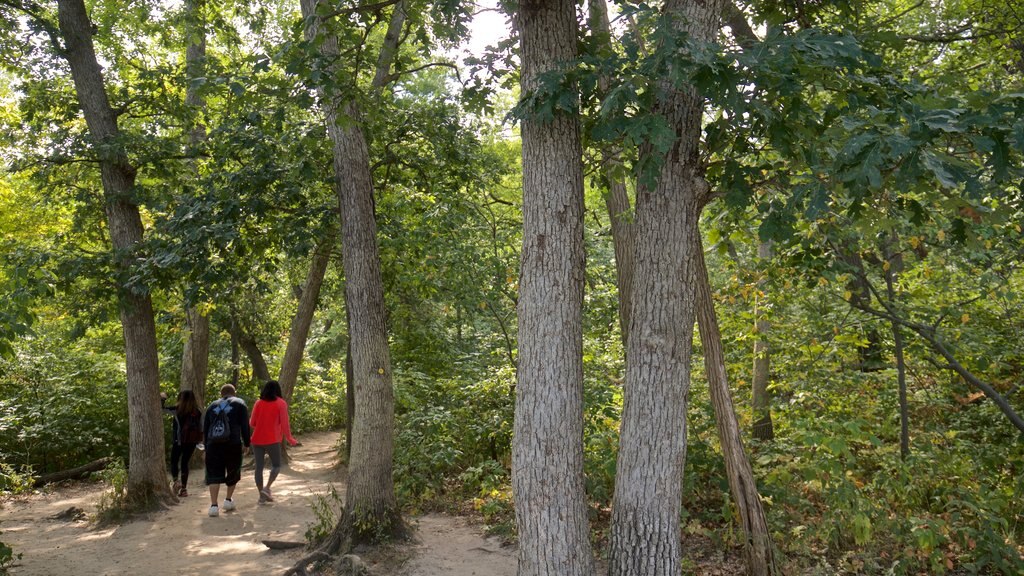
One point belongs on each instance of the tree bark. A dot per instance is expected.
(760, 397)
(645, 531)
(371, 509)
(547, 446)
(757, 546)
(303, 318)
(146, 470)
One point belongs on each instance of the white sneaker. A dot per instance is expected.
(229, 505)
(214, 510)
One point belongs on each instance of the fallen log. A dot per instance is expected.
(73, 473)
(282, 544)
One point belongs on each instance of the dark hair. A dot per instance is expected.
(271, 391)
(186, 403)
(227, 390)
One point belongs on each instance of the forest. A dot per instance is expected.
(638, 279)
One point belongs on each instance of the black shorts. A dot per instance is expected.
(223, 463)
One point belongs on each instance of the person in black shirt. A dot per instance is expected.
(224, 459)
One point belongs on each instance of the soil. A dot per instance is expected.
(183, 539)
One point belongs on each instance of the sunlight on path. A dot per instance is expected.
(180, 540)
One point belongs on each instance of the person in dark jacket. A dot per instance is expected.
(186, 434)
(224, 459)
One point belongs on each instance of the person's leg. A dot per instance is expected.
(233, 465)
(259, 452)
(186, 457)
(275, 463)
(175, 458)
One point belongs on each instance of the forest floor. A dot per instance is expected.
(183, 539)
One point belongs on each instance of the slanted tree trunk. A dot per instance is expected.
(303, 318)
(147, 474)
(891, 270)
(760, 397)
(260, 372)
(645, 531)
(547, 445)
(757, 544)
(371, 509)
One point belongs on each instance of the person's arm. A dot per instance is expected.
(254, 417)
(285, 425)
(246, 431)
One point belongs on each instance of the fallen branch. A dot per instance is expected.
(282, 544)
(73, 473)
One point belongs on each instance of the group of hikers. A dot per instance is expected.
(225, 433)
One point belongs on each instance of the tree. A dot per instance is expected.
(760, 396)
(547, 447)
(645, 532)
(371, 510)
(146, 470)
(195, 358)
(309, 295)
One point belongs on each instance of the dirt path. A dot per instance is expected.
(185, 540)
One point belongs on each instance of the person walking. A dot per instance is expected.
(186, 434)
(226, 430)
(270, 425)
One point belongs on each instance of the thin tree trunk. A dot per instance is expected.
(761, 398)
(645, 531)
(547, 445)
(236, 357)
(146, 470)
(617, 197)
(260, 372)
(758, 547)
(303, 318)
(895, 266)
(196, 355)
(371, 509)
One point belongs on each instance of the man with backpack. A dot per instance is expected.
(226, 430)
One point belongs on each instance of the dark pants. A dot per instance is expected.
(180, 457)
(223, 463)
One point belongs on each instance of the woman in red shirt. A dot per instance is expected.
(269, 423)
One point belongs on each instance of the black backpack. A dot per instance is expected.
(220, 425)
(190, 429)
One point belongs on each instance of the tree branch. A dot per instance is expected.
(376, 6)
(396, 75)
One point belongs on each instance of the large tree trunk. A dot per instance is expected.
(371, 509)
(547, 446)
(299, 332)
(757, 547)
(645, 532)
(761, 399)
(147, 474)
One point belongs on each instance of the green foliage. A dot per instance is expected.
(327, 509)
(114, 505)
(448, 428)
(62, 404)
(7, 558)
